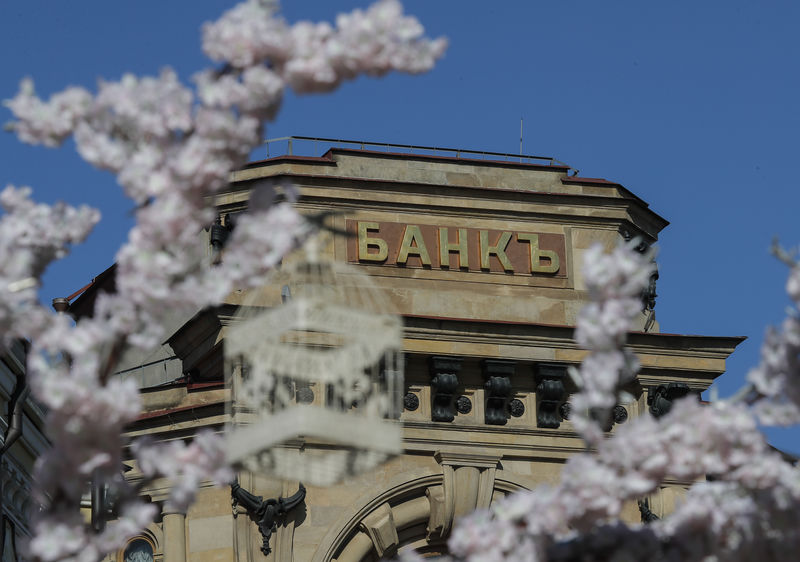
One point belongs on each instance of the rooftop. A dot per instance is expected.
(313, 146)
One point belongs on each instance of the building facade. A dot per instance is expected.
(23, 440)
(481, 255)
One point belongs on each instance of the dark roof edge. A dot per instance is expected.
(324, 159)
(453, 159)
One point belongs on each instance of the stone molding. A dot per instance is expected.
(468, 484)
(413, 497)
(347, 528)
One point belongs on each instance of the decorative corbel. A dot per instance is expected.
(646, 513)
(661, 398)
(497, 373)
(550, 393)
(265, 513)
(628, 235)
(444, 382)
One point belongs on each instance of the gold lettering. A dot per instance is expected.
(536, 254)
(364, 243)
(445, 247)
(499, 250)
(411, 236)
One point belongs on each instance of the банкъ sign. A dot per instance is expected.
(457, 249)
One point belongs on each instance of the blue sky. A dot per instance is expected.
(691, 105)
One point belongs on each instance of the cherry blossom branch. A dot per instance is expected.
(748, 510)
(615, 283)
(171, 150)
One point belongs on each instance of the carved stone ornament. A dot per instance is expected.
(337, 333)
(564, 410)
(628, 235)
(649, 294)
(497, 373)
(463, 405)
(661, 398)
(516, 408)
(410, 402)
(265, 513)
(550, 394)
(305, 395)
(444, 382)
(646, 513)
(620, 414)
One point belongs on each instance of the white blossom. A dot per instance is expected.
(615, 282)
(171, 151)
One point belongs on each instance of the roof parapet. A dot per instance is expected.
(309, 146)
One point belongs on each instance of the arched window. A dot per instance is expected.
(138, 549)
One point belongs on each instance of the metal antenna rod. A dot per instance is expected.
(520, 139)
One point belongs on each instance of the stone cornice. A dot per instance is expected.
(660, 353)
(459, 200)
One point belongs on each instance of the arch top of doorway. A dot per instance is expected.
(406, 499)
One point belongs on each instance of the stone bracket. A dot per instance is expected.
(550, 393)
(660, 399)
(497, 373)
(444, 382)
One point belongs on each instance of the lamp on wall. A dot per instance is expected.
(316, 377)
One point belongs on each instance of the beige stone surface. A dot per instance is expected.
(447, 468)
(210, 533)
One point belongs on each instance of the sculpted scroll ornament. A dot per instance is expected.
(265, 513)
(444, 382)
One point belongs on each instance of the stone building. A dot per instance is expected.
(481, 254)
(21, 429)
